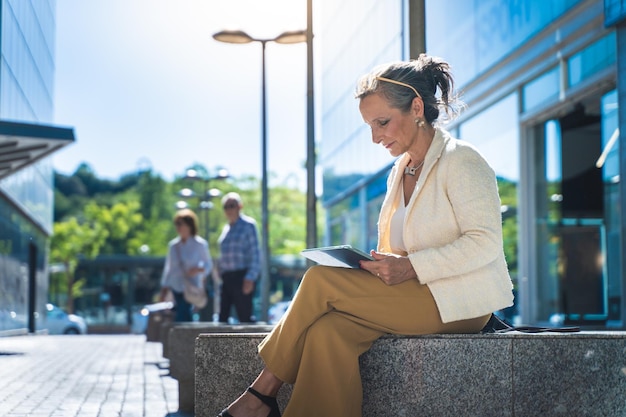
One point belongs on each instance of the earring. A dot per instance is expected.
(420, 122)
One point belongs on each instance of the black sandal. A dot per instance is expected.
(265, 399)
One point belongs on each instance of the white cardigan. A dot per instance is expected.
(452, 229)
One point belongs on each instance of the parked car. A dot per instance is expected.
(59, 322)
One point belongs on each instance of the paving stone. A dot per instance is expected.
(84, 376)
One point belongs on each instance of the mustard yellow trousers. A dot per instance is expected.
(334, 317)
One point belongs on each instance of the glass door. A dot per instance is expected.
(575, 215)
(609, 164)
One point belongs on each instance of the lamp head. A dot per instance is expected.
(292, 36)
(192, 174)
(213, 193)
(222, 174)
(233, 36)
(186, 193)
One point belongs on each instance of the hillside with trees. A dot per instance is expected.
(133, 216)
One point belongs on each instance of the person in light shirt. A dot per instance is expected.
(187, 258)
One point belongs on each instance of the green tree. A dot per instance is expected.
(122, 221)
(153, 197)
(287, 222)
(138, 208)
(508, 197)
(286, 208)
(70, 241)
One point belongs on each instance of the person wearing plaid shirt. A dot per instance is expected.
(239, 262)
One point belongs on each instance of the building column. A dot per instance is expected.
(621, 94)
(417, 28)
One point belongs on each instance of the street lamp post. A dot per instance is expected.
(208, 194)
(204, 204)
(241, 37)
(311, 199)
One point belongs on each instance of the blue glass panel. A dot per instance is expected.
(610, 138)
(612, 201)
(26, 85)
(614, 11)
(596, 57)
(27, 71)
(32, 189)
(495, 132)
(373, 35)
(16, 235)
(542, 89)
(474, 35)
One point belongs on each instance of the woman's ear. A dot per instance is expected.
(417, 107)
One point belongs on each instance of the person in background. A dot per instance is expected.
(239, 262)
(187, 258)
(439, 266)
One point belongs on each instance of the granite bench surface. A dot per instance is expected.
(509, 374)
(180, 351)
(197, 327)
(182, 337)
(164, 332)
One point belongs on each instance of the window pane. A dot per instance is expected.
(474, 35)
(612, 202)
(542, 89)
(595, 57)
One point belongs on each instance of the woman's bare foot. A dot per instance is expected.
(248, 405)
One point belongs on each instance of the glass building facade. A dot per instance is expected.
(374, 33)
(27, 39)
(539, 79)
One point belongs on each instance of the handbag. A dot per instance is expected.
(194, 295)
(498, 325)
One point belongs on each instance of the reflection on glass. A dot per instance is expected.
(474, 35)
(594, 58)
(542, 89)
(16, 235)
(548, 197)
(32, 189)
(372, 35)
(577, 223)
(611, 178)
(499, 144)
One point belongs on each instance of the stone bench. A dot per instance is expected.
(500, 375)
(164, 336)
(158, 314)
(180, 351)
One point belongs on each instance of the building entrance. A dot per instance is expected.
(576, 177)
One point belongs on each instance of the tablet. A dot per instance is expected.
(344, 256)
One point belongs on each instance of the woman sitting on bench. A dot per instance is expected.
(439, 266)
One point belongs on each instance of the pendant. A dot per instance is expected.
(411, 170)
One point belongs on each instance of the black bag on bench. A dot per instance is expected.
(498, 325)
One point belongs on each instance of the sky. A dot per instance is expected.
(144, 84)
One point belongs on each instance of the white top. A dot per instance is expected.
(396, 238)
(182, 256)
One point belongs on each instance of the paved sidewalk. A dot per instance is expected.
(85, 376)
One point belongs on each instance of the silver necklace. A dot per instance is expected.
(413, 170)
